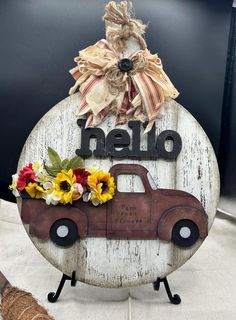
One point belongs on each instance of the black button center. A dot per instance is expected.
(125, 65)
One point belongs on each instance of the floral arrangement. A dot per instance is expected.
(63, 182)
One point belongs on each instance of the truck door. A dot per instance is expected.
(129, 212)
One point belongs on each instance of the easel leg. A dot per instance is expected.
(52, 296)
(174, 299)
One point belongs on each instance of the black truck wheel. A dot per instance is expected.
(64, 232)
(185, 233)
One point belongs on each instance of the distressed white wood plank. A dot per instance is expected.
(123, 263)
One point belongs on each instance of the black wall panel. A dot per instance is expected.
(227, 150)
(39, 40)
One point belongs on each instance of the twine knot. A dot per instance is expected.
(125, 31)
(123, 26)
(117, 79)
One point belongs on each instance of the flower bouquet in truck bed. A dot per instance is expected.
(64, 182)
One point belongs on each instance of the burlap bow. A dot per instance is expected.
(104, 88)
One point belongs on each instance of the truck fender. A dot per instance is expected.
(41, 226)
(171, 216)
(30, 208)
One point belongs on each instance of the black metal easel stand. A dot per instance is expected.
(174, 299)
(53, 296)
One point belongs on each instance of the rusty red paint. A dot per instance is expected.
(129, 215)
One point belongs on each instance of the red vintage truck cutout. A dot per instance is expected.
(167, 214)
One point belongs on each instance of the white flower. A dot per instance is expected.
(51, 198)
(41, 174)
(47, 185)
(13, 185)
(95, 201)
(38, 168)
(86, 196)
(16, 193)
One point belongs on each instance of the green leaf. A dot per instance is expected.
(53, 171)
(74, 163)
(64, 163)
(54, 157)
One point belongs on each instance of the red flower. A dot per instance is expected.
(26, 175)
(81, 176)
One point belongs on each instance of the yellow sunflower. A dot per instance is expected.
(35, 190)
(64, 188)
(102, 186)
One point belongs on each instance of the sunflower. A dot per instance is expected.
(64, 186)
(35, 190)
(102, 186)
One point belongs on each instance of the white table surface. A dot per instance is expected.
(206, 283)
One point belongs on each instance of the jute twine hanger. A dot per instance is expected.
(123, 26)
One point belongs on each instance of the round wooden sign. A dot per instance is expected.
(189, 164)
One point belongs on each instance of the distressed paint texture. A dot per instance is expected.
(124, 263)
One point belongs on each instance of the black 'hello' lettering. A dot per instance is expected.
(118, 143)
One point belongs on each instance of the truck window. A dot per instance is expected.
(130, 183)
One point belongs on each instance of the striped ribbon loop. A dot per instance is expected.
(137, 94)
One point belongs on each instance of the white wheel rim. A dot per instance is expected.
(185, 232)
(62, 231)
